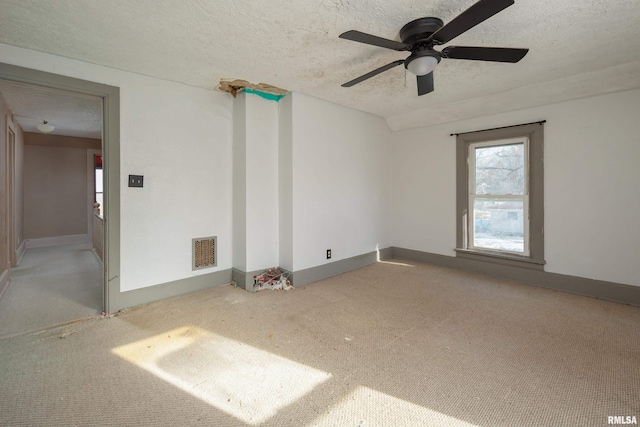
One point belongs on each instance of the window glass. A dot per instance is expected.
(500, 169)
(98, 182)
(498, 224)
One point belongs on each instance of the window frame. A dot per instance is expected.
(535, 234)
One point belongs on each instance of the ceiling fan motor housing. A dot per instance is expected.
(419, 30)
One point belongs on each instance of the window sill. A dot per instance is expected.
(499, 258)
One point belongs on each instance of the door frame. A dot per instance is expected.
(10, 168)
(111, 161)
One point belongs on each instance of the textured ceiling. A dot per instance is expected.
(70, 114)
(577, 48)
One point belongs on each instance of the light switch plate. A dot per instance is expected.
(136, 180)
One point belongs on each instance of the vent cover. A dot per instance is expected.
(204, 252)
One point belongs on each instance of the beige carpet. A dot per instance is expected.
(51, 286)
(387, 345)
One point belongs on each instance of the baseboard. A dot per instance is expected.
(239, 278)
(57, 240)
(314, 274)
(162, 291)
(244, 279)
(20, 252)
(385, 254)
(610, 291)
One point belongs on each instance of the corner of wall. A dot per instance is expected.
(285, 182)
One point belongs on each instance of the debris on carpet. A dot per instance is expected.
(274, 279)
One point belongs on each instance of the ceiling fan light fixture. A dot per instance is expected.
(45, 127)
(422, 65)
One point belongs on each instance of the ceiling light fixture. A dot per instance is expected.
(45, 127)
(423, 62)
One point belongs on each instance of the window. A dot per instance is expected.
(98, 187)
(500, 195)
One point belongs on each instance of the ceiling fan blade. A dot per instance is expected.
(357, 36)
(468, 19)
(373, 73)
(425, 84)
(498, 54)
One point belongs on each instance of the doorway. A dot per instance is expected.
(109, 97)
(50, 194)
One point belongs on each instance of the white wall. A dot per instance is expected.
(592, 149)
(285, 182)
(179, 138)
(255, 183)
(239, 183)
(341, 182)
(262, 183)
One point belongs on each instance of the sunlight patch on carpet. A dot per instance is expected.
(365, 406)
(243, 381)
(396, 263)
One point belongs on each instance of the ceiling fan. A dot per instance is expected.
(422, 35)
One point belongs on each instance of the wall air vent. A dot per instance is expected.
(204, 252)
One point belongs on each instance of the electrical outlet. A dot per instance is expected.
(135, 180)
(328, 253)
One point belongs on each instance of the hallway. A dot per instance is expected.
(52, 285)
